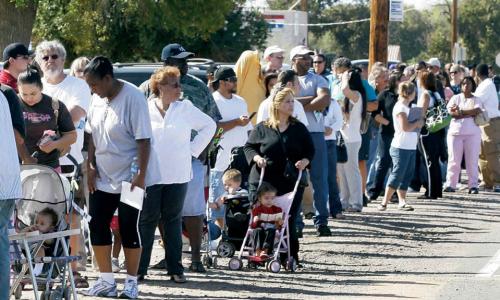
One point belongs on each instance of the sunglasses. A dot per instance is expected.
(231, 79)
(318, 62)
(53, 56)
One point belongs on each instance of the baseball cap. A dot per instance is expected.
(224, 73)
(434, 61)
(271, 50)
(300, 50)
(15, 49)
(175, 51)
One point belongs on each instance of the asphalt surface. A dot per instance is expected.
(446, 249)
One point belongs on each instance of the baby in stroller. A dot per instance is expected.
(267, 218)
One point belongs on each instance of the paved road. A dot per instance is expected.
(446, 249)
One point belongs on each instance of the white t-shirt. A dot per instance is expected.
(487, 93)
(333, 119)
(72, 92)
(298, 111)
(230, 109)
(10, 179)
(406, 140)
(115, 127)
(351, 132)
(172, 144)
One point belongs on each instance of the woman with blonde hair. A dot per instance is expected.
(274, 143)
(78, 66)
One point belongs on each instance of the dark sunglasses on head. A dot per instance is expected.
(53, 56)
(231, 79)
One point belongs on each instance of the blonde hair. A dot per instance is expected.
(161, 75)
(279, 97)
(406, 89)
(78, 64)
(233, 175)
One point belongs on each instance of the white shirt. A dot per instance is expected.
(230, 109)
(10, 178)
(72, 92)
(333, 119)
(172, 143)
(406, 140)
(298, 111)
(487, 93)
(351, 132)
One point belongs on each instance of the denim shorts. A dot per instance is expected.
(216, 189)
(403, 165)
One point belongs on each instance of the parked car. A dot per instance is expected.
(365, 62)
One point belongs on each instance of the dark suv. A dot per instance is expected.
(137, 73)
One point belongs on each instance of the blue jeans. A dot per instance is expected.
(333, 188)
(319, 179)
(373, 159)
(216, 189)
(403, 164)
(165, 201)
(383, 165)
(6, 208)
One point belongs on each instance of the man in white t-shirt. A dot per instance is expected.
(235, 124)
(75, 94)
(489, 159)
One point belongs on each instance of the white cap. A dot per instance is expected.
(434, 61)
(271, 50)
(300, 50)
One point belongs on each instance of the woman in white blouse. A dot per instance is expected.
(172, 121)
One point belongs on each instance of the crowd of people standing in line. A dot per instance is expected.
(351, 128)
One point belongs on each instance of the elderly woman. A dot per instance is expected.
(172, 121)
(120, 132)
(271, 144)
(464, 136)
(49, 128)
(77, 67)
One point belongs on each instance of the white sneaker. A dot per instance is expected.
(115, 265)
(102, 288)
(130, 291)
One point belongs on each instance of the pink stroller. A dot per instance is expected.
(281, 244)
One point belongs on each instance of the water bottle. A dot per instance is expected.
(134, 168)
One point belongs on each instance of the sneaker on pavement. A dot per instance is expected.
(130, 291)
(323, 230)
(405, 207)
(449, 189)
(115, 265)
(381, 207)
(101, 288)
(473, 191)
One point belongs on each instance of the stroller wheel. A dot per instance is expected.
(207, 261)
(291, 265)
(235, 264)
(225, 249)
(274, 266)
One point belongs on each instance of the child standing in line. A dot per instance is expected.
(403, 148)
(266, 219)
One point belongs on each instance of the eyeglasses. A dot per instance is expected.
(453, 72)
(53, 56)
(279, 57)
(23, 57)
(175, 85)
(231, 79)
(318, 62)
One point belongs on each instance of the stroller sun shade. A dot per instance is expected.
(42, 187)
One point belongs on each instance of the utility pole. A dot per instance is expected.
(303, 5)
(379, 27)
(454, 29)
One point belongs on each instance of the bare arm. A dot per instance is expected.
(228, 125)
(77, 113)
(381, 120)
(305, 100)
(372, 106)
(320, 102)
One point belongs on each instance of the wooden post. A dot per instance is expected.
(379, 26)
(454, 29)
(303, 5)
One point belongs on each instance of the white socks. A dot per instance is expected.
(108, 277)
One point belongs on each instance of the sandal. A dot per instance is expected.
(197, 267)
(81, 282)
(382, 207)
(406, 207)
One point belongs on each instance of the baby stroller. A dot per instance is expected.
(282, 240)
(43, 188)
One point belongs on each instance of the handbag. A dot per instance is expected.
(482, 118)
(341, 149)
(291, 173)
(437, 117)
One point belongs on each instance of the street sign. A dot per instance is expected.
(396, 11)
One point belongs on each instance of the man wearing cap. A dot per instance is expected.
(489, 158)
(235, 125)
(434, 66)
(16, 58)
(197, 92)
(315, 97)
(273, 57)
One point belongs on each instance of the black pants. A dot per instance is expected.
(385, 163)
(264, 238)
(102, 207)
(433, 144)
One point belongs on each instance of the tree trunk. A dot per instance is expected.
(16, 23)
